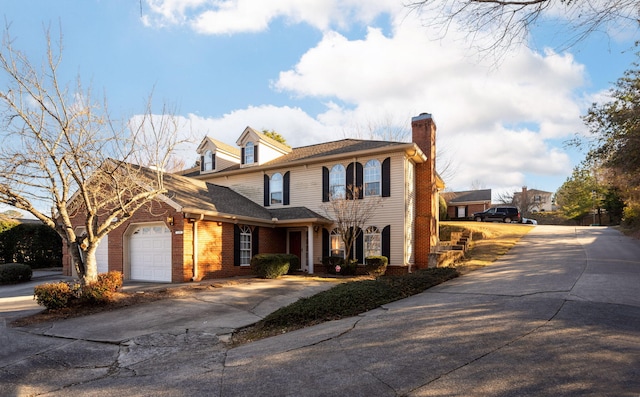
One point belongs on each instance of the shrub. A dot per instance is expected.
(331, 264)
(269, 265)
(376, 265)
(103, 289)
(294, 262)
(12, 273)
(54, 295)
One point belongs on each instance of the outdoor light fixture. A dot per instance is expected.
(170, 220)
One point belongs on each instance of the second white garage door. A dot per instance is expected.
(150, 253)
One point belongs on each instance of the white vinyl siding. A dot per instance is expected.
(306, 191)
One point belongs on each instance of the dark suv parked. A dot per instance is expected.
(498, 214)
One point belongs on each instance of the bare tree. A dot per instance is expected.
(64, 156)
(351, 212)
(506, 22)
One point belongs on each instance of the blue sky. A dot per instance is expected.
(321, 70)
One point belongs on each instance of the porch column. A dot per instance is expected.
(310, 248)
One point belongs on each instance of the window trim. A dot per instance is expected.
(337, 172)
(369, 232)
(208, 161)
(249, 153)
(372, 178)
(335, 235)
(276, 186)
(246, 237)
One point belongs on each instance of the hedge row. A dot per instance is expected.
(34, 244)
(12, 273)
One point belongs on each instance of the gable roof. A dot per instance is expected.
(468, 196)
(264, 138)
(219, 146)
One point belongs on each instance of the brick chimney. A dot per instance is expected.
(426, 226)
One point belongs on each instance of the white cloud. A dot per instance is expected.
(236, 16)
(495, 120)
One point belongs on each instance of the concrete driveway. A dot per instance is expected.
(558, 315)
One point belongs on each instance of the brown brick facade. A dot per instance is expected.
(424, 135)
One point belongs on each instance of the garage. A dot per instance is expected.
(150, 253)
(102, 255)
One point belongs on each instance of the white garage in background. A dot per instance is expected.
(150, 252)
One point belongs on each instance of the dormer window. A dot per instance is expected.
(249, 153)
(208, 161)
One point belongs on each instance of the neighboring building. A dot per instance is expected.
(265, 197)
(462, 205)
(530, 201)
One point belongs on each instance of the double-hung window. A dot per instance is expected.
(248, 153)
(245, 245)
(372, 178)
(275, 188)
(337, 245)
(372, 242)
(337, 188)
(208, 160)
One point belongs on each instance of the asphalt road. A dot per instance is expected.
(559, 315)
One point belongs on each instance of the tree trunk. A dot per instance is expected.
(84, 261)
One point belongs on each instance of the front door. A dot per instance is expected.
(295, 244)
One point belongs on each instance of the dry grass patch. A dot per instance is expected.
(490, 241)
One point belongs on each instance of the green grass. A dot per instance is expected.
(344, 300)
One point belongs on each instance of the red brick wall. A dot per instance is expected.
(156, 211)
(424, 135)
(272, 241)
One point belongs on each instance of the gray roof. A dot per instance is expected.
(468, 196)
(208, 197)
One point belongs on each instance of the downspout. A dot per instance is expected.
(195, 247)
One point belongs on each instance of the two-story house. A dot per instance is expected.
(264, 197)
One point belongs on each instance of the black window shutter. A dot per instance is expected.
(359, 179)
(213, 161)
(236, 245)
(255, 154)
(386, 177)
(267, 200)
(325, 184)
(285, 187)
(241, 155)
(201, 163)
(255, 241)
(386, 242)
(325, 242)
(349, 181)
(360, 247)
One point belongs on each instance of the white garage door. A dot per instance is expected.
(102, 255)
(150, 253)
